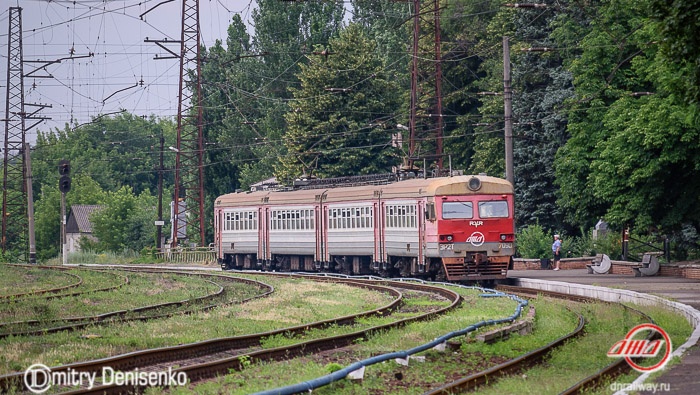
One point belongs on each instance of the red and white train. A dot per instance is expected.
(450, 228)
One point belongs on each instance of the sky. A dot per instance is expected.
(122, 72)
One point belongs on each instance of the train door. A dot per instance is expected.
(377, 251)
(381, 240)
(263, 235)
(420, 221)
(321, 232)
(218, 228)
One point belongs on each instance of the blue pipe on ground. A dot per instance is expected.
(308, 386)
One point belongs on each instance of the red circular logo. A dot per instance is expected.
(629, 348)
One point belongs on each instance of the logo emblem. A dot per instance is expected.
(37, 378)
(476, 239)
(642, 348)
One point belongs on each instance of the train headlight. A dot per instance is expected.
(507, 237)
(474, 184)
(446, 238)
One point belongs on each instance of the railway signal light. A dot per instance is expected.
(64, 167)
(64, 184)
(64, 171)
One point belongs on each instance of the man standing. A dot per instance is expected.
(556, 249)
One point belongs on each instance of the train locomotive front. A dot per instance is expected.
(449, 228)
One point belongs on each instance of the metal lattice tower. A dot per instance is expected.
(14, 197)
(426, 123)
(188, 219)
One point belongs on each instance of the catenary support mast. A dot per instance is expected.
(188, 208)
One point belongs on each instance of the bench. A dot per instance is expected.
(649, 265)
(601, 264)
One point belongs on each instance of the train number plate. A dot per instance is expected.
(505, 245)
(445, 247)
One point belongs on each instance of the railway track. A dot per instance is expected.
(54, 293)
(18, 296)
(537, 356)
(208, 359)
(136, 314)
(216, 357)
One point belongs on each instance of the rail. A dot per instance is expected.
(205, 255)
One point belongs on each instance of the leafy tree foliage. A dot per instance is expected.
(542, 86)
(467, 48)
(105, 155)
(631, 158)
(331, 130)
(125, 221)
(679, 24)
(47, 211)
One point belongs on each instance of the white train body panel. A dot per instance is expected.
(292, 230)
(350, 228)
(239, 234)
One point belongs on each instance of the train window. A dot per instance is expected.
(430, 212)
(493, 209)
(241, 220)
(457, 210)
(400, 216)
(349, 218)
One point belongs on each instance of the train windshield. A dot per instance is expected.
(457, 210)
(493, 209)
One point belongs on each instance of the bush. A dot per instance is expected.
(533, 242)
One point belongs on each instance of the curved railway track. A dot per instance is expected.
(74, 323)
(18, 296)
(208, 359)
(53, 293)
(537, 356)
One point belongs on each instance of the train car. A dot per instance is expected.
(449, 228)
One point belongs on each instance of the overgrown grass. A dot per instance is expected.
(296, 301)
(676, 326)
(144, 289)
(272, 375)
(18, 280)
(579, 358)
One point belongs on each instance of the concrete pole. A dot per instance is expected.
(64, 243)
(30, 205)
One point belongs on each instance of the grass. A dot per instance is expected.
(144, 289)
(579, 358)
(676, 326)
(18, 280)
(272, 375)
(296, 301)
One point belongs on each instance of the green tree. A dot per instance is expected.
(47, 211)
(330, 119)
(114, 151)
(125, 222)
(679, 24)
(631, 159)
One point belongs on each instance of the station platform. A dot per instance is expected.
(682, 378)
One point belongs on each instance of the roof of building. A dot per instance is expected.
(79, 218)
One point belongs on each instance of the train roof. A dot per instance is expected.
(412, 188)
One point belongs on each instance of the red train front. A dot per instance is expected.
(449, 228)
(474, 230)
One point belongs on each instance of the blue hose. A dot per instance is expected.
(308, 386)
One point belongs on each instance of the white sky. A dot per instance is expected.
(112, 30)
